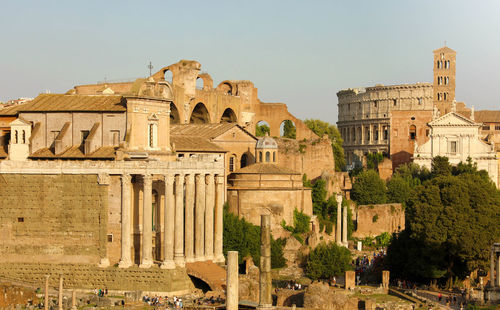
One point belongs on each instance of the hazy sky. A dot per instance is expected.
(297, 52)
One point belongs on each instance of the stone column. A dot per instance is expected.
(46, 303)
(379, 129)
(338, 231)
(232, 281)
(179, 221)
(497, 278)
(362, 134)
(125, 260)
(73, 300)
(219, 257)
(265, 285)
(169, 219)
(209, 217)
(344, 227)
(370, 134)
(147, 223)
(189, 219)
(199, 225)
(492, 267)
(60, 303)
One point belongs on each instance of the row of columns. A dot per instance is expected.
(192, 217)
(360, 134)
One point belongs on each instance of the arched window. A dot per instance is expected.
(24, 136)
(243, 162)
(260, 156)
(268, 156)
(413, 132)
(444, 96)
(274, 156)
(16, 137)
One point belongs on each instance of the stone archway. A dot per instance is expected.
(261, 128)
(228, 116)
(288, 129)
(199, 115)
(174, 114)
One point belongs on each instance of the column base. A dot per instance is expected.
(200, 259)
(168, 264)
(264, 306)
(146, 264)
(190, 260)
(219, 259)
(211, 257)
(179, 261)
(124, 264)
(104, 263)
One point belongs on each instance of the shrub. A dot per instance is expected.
(328, 260)
(375, 218)
(369, 188)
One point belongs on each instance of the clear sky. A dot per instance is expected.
(297, 52)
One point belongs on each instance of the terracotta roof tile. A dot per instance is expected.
(194, 144)
(60, 102)
(265, 168)
(105, 152)
(487, 116)
(209, 131)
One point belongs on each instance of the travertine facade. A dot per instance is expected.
(365, 117)
(457, 137)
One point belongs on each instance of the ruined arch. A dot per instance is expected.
(228, 116)
(261, 128)
(199, 115)
(227, 88)
(200, 83)
(288, 129)
(174, 114)
(204, 81)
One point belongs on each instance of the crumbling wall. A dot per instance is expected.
(373, 220)
(52, 218)
(311, 157)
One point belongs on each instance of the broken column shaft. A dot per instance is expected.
(265, 299)
(232, 281)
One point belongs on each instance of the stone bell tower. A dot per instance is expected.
(444, 78)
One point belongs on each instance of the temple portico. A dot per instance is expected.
(170, 213)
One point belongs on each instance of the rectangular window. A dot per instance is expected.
(386, 133)
(497, 127)
(453, 147)
(486, 127)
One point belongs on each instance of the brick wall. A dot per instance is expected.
(372, 220)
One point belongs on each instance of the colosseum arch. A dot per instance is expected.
(164, 74)
(174, 114)
(228, 116)
(227, 88)
(199, 115)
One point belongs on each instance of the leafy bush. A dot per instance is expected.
(384, 239)
(368, 188)
(244, 237)
(328, 260)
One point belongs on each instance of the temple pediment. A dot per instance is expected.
(453, 119)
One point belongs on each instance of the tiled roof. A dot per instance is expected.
(76, 103)
(487, 116)
(209, 131)
(194, 144)
(105, 152)
(265, 168)
(444, 49)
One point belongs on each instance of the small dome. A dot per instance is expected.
(266, 143)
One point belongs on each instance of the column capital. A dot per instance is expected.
(199, 177)
(219, 179)
(169, 178)
(126, 177)
(147, 178)
(209, 178)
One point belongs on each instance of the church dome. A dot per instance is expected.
(266, 143)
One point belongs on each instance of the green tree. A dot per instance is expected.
(261, 130)
(368, 188)
(318, 195)
(451, 223)
(440, 166)
(328, 260)
(398, 189)
(321, 128)
(289, 130)
(373, 159)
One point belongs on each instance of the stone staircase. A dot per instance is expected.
(211, 273)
